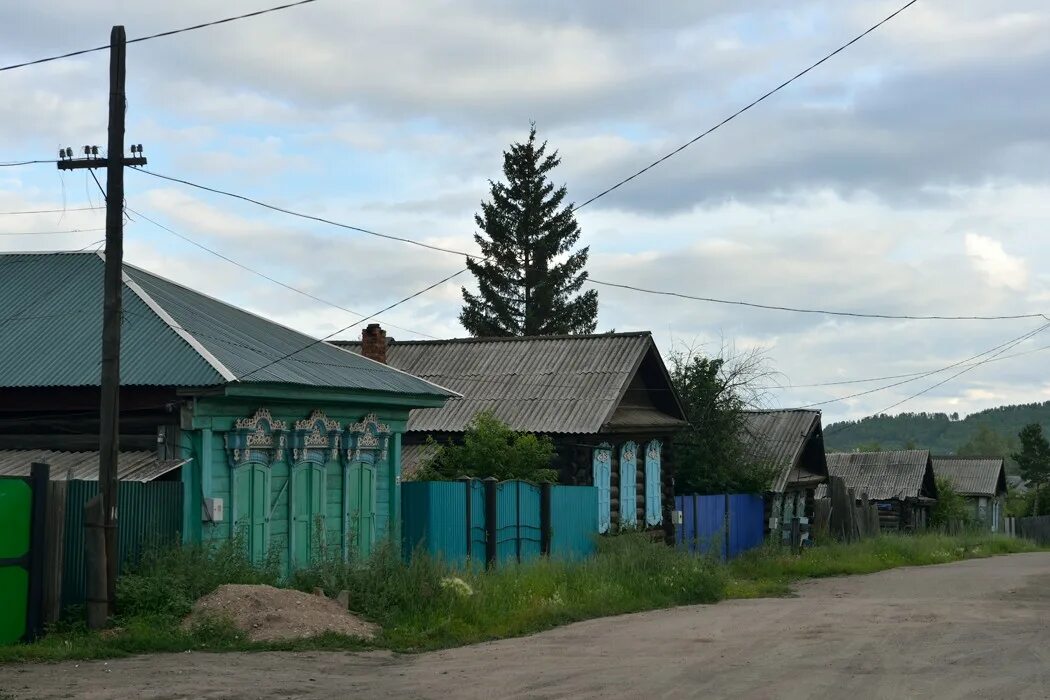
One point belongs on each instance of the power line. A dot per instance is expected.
(745, 108)
(851, 314)
(346, 328)
(310, 217)
(48, 211)
(473, 256)
(264, 275)
(1004, 346)
(14, 164)
(49, 233)
(158, 35)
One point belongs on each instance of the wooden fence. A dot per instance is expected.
(1034, 528)
(844, 515)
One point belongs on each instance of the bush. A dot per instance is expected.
(167, 581)
(951, 511)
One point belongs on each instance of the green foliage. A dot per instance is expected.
(951, 510)
(530, 280)
(491, 448)
(167, 581)
(1033, 461)
(709, 454)
(989, 433)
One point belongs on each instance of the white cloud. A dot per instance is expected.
(999, 267)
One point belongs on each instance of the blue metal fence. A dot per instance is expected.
(723, 525)
(450, 520)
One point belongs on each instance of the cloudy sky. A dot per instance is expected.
(906, 176)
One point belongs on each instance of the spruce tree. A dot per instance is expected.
(530, 281)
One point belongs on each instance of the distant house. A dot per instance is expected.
(792, 442)
(982, 480)
(605, 400)
(270, 432)
(900, 482)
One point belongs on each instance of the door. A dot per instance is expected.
(361, 504)
(308, 522)
(251, 510)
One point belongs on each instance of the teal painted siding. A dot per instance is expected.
(214, 459)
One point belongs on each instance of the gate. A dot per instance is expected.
(23, 505)
(723, 525)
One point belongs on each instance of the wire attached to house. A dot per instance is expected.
(264, 276)
(158, 35)
(747, 107)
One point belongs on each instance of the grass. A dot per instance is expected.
(428, 605)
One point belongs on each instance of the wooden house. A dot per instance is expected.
(791, 441)
(982, 481)
(605, 400)
(899, 482)
(276, 437)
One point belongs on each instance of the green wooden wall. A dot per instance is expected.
(203, 439)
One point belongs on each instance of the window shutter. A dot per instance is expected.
(653, 496)
(628, 484)
(602, 464)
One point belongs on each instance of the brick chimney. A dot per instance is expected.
(373, 343)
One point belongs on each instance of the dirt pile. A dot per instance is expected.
(266, 613)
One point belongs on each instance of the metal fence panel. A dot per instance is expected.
(1035, 528)
(574, 521)
(149, 514)
(746, 526)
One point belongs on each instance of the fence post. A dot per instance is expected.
(39, 476)
(467, 512)
(545, 519)
(796, 535)
(490, 522)
(94, 563)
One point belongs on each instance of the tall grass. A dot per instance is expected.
(427, 604)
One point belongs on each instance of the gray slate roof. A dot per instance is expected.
(171, 336)
(781, 438)
(884, 476)
(972, 476)
(545, 384)
(131, 466)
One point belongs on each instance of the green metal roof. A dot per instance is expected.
(51, 326)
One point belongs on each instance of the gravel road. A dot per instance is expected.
(976, 629)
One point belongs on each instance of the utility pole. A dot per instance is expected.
(109, 413)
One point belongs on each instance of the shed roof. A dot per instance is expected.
(545, 384)
(973, 476)
(885, 476)
(131, 465)
(171, 335)
(781, 438)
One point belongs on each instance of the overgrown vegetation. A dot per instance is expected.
(951, 509)
(1033, 462)
(426, 604)
(491, 448)
(715, 392)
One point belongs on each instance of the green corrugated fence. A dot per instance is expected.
(148, 514)
(471, 521)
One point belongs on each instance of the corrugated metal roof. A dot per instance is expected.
(884, 476)
(172, 335)
(131, 466)
(543, 384)
(780, 437)
(413, 457)
(972, 476)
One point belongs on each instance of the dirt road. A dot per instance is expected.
(973, 629)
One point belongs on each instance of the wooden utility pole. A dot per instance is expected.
(109, 411)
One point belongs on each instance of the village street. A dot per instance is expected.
(978, 628)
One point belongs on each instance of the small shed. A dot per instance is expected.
(899, 482)
(605, 400)
(792, 441)
(982, 481)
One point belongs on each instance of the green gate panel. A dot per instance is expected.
(14, 587)
(16, 506)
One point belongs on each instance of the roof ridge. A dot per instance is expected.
(508, 339)
(198, 347)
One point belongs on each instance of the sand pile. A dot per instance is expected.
(266, 613)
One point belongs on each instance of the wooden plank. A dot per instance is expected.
(55, 536)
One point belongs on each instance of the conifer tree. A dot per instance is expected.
(530, 281)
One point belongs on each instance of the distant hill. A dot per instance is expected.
(990, 432)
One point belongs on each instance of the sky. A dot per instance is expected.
(905, 176)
